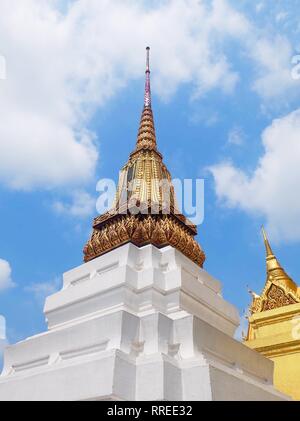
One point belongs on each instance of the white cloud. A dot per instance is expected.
(43, 140)
(5, 275)
(82, 204)
(43, 289)
(274, 72)
(272, 189)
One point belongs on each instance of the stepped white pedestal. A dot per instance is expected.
(137, 324)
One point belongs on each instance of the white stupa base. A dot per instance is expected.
(137, 324)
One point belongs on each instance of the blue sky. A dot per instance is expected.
(226, 107)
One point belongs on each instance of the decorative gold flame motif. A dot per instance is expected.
(280, 290)
(144, 211)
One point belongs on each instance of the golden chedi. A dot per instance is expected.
(144, 210)
(274, 325)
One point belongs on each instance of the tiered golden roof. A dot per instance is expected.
(144, 211)
(146, 136)
(280, 290)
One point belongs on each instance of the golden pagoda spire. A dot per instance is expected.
(146, 135)
(280, 290)
(274, 269)
(144, 211)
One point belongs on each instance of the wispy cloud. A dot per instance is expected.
(236, 136)
(81, 205)
(42, 290)
(208, 118)
(281, 16)
(259, 7)
(5, 276)
(274, 79)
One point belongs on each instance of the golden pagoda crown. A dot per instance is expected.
(280, 290)
(144, 210)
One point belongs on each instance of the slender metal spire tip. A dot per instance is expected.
(264, 233)
(147, 102)
(266, 241)
(148, 60)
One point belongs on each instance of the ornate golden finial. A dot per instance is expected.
(146, 136)
(144, 210)
(274, 268)
(280, 290)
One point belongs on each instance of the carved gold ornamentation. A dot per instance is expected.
(276, 297)
(141, 230)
